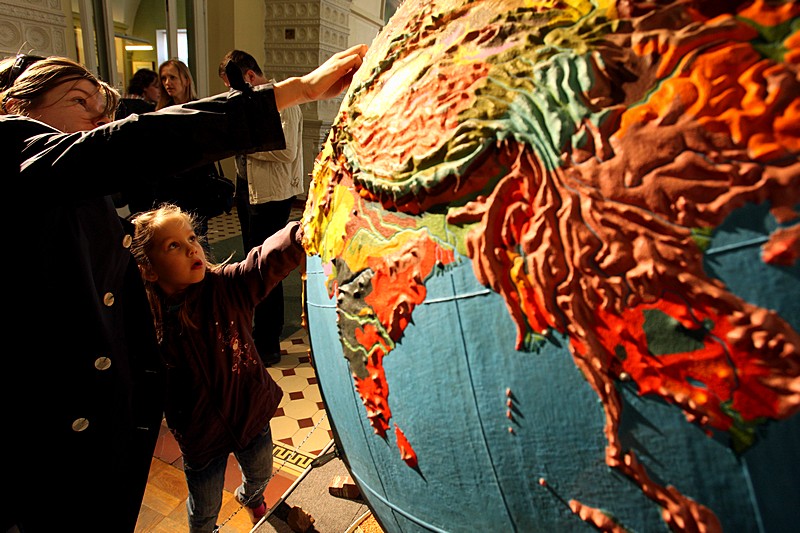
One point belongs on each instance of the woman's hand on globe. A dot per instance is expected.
(326, 81)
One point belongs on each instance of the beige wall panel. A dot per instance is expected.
(36, 26)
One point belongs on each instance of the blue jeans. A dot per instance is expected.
(206, 482)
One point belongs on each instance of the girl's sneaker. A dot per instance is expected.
(256, 513)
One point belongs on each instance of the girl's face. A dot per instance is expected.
(173, 83)
(72, 106)
(177, 259)
(153, 91)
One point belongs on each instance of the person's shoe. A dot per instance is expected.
(255, 513)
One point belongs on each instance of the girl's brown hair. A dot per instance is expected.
(145, 226)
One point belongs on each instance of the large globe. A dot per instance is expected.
(553, 267)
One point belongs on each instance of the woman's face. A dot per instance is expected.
(71, 106)
(153, 91)
(173, 83)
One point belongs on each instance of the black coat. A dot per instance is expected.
(82, 383)
(131, 106)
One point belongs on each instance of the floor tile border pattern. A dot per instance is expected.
(288, 460)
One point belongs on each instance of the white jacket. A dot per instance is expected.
(278, 175)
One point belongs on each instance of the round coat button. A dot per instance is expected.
(102, 363)
(80, 424)
(126, 241)
(108, 299)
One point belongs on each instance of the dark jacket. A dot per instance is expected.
(82, 386)
(178, 190)
(219, 394)
(133, 106)
(140, 196)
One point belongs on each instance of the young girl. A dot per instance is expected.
(220, 398)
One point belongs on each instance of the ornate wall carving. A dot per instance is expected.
(33, 26)
(298, 36)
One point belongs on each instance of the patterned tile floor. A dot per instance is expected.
(300, 430)
(227, 226)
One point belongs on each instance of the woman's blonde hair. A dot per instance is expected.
(145, 226)
(27, 87)
(165, 100)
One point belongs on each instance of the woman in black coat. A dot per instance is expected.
(82, 382)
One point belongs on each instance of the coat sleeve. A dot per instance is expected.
(292, 123)
(269, 263)
(106, 159)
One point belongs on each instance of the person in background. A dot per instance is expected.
(83, 389)
(220, 398)
(267, 184)
(144, 91)
(177, 87)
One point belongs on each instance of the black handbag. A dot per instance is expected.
(214, 193)
(203, 190)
